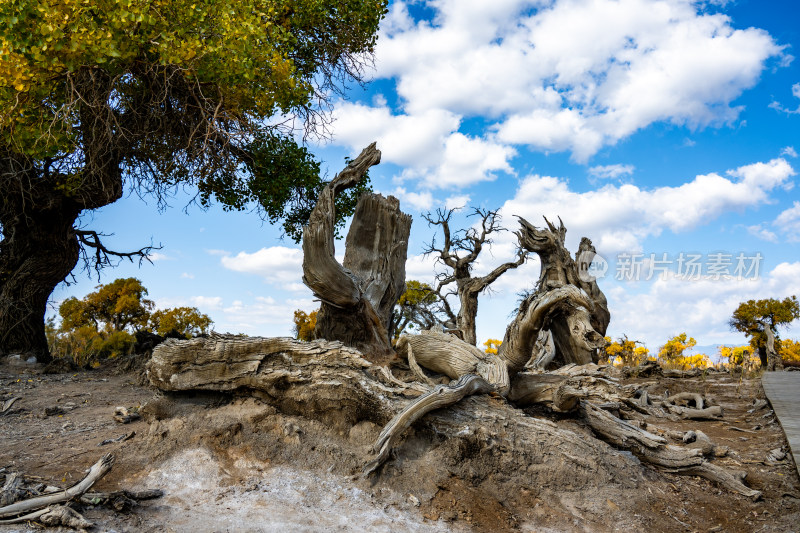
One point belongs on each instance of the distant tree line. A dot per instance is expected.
(115, 320)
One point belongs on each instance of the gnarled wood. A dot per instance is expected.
(653, 449)
(330, 382)
(357, 296)
(532, 317)
(578, 330)
(97, 471)
(440, 396)
(447, 354)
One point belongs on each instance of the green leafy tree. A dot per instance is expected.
(754, 316)
(100, 96)
(187, 321)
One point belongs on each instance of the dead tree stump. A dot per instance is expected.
(357, 296)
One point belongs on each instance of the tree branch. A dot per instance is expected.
(102, 255)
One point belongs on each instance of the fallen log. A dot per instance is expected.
(97, 471)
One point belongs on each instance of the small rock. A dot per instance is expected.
(414, 500)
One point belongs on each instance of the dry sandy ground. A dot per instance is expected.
(236, 464)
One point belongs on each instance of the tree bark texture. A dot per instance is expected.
(36, 254)
(38, 250)
(580, 320)
(774, 360)
(357, 297)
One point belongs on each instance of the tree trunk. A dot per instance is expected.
(357, 297)
(580, 320)
(39, 249)
(773, 359)
(466, 315)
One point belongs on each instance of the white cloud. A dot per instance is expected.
(407, 140)
(699, 308)
(277, 264)
(457, 202)
(779, 107)
(427, 144)
(206, 302)
(789, 151)
(789, 222)
(762, 233)
(158, 256)
(630, 214)
(422, 268)
(264, 317)
(571, 75)
(421, 201)
(187, 275)
(611, 172)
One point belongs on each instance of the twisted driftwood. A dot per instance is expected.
(45, 509)
(330, 382)
(357, 296)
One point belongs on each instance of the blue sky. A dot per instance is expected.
(652, 127)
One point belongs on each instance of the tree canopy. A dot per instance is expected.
(152, 94)
(105, 323)
(116, 306)
(304, 324)
(186, 321)
(753, 316)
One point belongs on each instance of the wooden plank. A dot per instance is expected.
(783, 392)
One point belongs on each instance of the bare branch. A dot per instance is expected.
(103, 256)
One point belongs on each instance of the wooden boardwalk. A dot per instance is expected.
(783, 392)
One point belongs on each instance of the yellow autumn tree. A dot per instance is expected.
(739, 357)
(187, 321)
(671, 353)
(492, 345)
(790, 352)
(624, 352)
(304, 324)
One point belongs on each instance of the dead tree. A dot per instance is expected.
(458, 253)
(563, 304)
(337, 385)
(774, 360)
(357, 296)
(573, 330)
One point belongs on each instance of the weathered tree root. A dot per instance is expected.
(329, 382)
(653, 449)
(440, 396)
(698, 412)
(97, 471)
